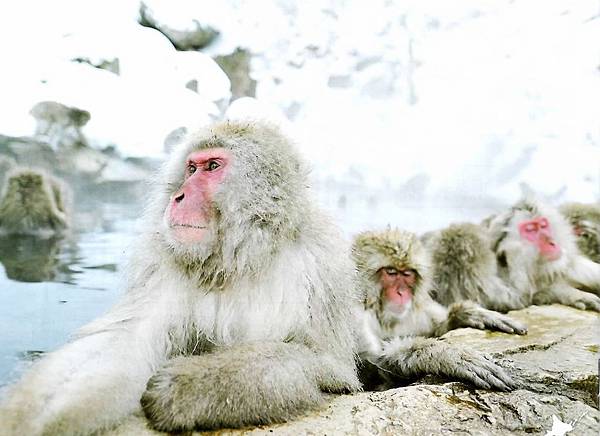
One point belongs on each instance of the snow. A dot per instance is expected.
(414, 104)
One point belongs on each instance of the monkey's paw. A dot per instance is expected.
(171, 399)
(487, 319)
(587, 301)
(482, 372)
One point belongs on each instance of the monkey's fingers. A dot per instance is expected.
(508, 325)
(593, 303)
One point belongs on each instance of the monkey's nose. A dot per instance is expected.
(179, 198)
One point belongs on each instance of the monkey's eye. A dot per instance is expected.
(408, 273)
(212, 165)
(390, 270)
(543, 223)
(191, 169)
(531, 227)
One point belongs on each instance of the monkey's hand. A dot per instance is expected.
(568, 296)
(420, 356)
(468, 314)
(236, 386)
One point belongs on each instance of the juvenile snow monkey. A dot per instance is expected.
(237, 310)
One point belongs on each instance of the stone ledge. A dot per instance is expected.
(557, 359)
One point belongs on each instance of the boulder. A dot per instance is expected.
(195, 37)
(557, 362)
(237, 67)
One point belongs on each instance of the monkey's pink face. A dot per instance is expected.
(189, 211)
(537, 231)
(398, 285)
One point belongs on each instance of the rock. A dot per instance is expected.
(237, 67)
(6, 163)
(196, 38)
(28, 151)
(60, 125)
(557, 361)
(90, 172)
(111, 65)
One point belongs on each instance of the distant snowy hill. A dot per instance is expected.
(404, 108)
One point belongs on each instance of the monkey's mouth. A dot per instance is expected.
(189, 226)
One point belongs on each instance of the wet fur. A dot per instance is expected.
(33, 203)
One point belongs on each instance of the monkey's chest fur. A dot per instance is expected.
(239, 314)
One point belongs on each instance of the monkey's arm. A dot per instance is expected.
(585, 274)
(235, 386)
(416, 356)
(87, 385)
(565, 294)
(469, 314)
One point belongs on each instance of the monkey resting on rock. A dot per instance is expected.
(237, 310)
(537, 256)
(531, 250)
(400, 319)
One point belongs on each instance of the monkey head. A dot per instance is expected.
(392, 265)
(235, 192)
(585, 222)
(537, 230)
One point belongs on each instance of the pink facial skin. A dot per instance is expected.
(538, 232)
(188, 213)
(398, 285)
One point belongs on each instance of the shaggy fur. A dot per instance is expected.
(585, 221)
(537, 280)
(464, 268)
(395, 345)
(33, 203)
(248, 327)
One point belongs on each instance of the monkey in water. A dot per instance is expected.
(33, 203)
(399, 321)
(537, 256)
(238, 308)
(585, 222)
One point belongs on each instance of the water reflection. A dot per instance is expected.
(28, 258)
(51, 287)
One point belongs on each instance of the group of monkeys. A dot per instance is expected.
(244, 305)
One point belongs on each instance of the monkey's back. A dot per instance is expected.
(461, 258)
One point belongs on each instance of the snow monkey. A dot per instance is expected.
(464, 268)
(237, 310)
(585, 221)
(400, 319)
(33, 203)
(537, 256)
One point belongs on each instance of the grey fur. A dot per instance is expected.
(585, 220)
(400, 345)
(248, 327)
(537, 280)
(464, 268)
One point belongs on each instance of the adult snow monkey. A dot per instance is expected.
(237, 310)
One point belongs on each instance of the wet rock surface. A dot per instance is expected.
(557, 362)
